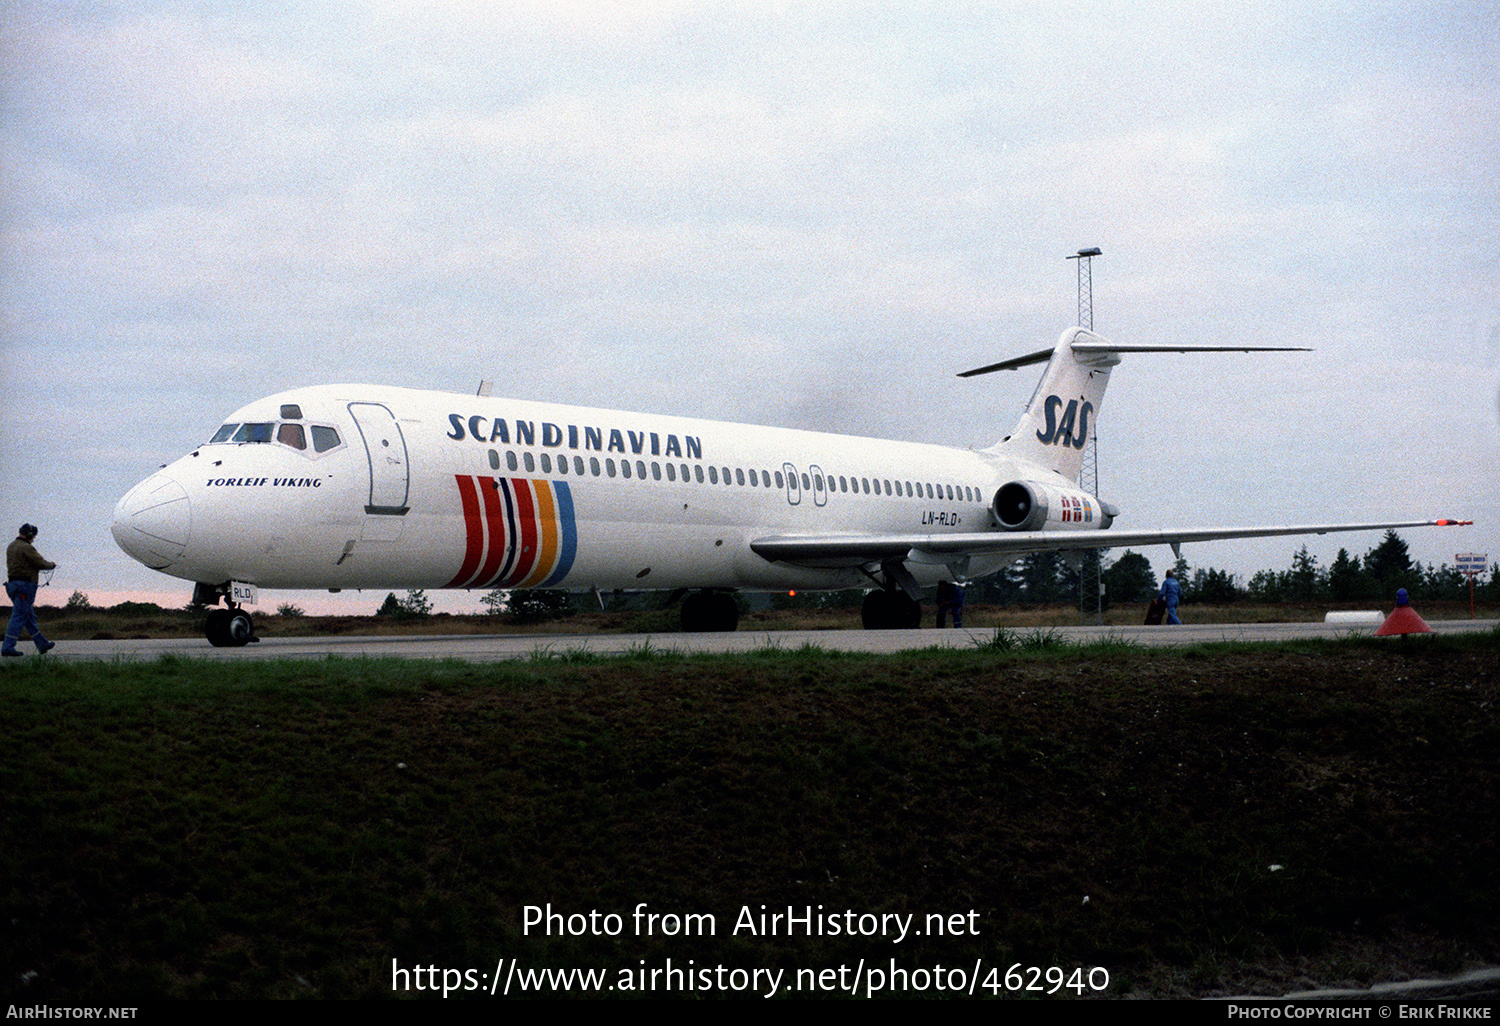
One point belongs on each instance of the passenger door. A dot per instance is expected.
(385, 450)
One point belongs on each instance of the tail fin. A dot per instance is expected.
(1065, 406)
(1063, 409)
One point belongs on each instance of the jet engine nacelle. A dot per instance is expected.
(1032, 506)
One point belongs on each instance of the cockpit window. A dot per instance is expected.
(324, 438)
(293, 435)
(253, 433)
(291, 411)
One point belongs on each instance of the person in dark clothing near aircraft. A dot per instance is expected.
(1171, 593)
(950, 599)
(22, 563)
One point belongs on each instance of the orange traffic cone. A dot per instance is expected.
(1403, 619)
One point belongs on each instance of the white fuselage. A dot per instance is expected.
(363, 486)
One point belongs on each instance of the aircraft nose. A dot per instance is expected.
(154, 521)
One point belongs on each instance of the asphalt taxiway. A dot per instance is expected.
(484, 648)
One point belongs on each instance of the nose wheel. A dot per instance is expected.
(229, 628)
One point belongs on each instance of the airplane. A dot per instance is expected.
(368, 486)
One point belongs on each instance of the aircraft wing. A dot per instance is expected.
(855, 549)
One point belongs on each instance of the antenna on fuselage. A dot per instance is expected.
(484, 387)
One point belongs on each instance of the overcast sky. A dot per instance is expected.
(807, 214)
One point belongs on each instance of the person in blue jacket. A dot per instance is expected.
(950, 599)
(1171, 593)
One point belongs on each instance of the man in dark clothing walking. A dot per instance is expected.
(22, 563)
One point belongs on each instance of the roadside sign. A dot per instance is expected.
(1472, 562)
(1471, 565)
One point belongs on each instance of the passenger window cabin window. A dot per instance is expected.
(671, 472)
(640, 469)
(713, 475)
(698, 473)
(529, 461)
(656, 471)
(510, 461)
(224, 433)
(562, 464)
(625, 468)
(739, 477)
(609, 466)
(546, 463)
(753, 482)
(594, 465)
(578, 465)
(324, 438)
(780, 481)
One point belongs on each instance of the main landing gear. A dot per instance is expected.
(224, 628)
(896, 603)
(704, 611)
(890, 610)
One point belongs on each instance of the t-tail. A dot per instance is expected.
(1061, 416)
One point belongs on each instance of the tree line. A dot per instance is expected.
(1042, 578)
(1050, 578)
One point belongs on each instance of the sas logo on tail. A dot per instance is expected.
(1060, 432)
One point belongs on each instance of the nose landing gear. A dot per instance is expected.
(224, 628)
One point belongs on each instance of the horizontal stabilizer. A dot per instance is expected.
(1039, 356)
(1101, 346)
(1114, 347)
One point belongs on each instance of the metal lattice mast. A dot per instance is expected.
(1091, 570)
(1085, 258)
